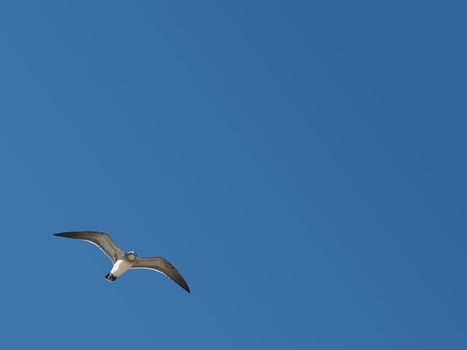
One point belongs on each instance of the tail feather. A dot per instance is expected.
(110, 277)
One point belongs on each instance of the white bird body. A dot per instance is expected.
(121, 266)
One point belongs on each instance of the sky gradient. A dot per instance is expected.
(301, 164)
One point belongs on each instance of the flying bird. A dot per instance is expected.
(122, 261)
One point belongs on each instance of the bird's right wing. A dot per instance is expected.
(100, 239)
(163, 266)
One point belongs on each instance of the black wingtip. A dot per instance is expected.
(71, 233)
(185, 287)
(66, 234)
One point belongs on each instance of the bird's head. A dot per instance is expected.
(131, 255)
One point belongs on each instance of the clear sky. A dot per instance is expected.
(302, 163)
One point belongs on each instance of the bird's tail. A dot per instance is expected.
(110, 277)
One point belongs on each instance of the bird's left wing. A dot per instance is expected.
(163, 266)
(100, 239)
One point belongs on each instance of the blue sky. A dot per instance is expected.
(301, 163)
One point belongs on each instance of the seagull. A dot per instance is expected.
(122, 261)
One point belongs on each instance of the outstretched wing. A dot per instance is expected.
(100, 239)
(163, 266)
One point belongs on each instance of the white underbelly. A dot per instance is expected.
(120, 267)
